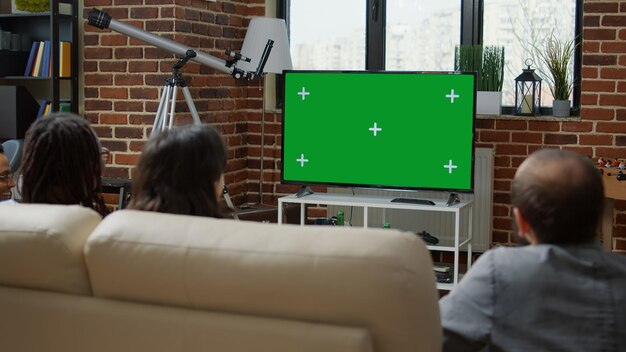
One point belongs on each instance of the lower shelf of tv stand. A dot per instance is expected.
(446, 245)
(445, 287)
(365, 202)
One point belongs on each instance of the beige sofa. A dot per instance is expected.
(140, 281)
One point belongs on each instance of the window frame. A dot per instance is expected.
(471, 33)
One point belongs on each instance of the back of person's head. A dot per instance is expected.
(560, 193)
(61, 163)
(178, 172)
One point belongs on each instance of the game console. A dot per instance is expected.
(428, 238)
(453, 198)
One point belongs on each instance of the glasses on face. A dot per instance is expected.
(6, 177)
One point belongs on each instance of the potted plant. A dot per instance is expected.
(488, 62)
(556, 55)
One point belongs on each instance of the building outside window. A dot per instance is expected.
(421, 35)
(522, 26)
(327, 34)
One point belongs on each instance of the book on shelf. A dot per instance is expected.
(42, 108)
(45, 107)
(65, 59)
(65, 106)
(39, 63)
(46, 111)
(31, 59)
(45, 65)
(38, 60)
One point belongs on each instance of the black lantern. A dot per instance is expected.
(528, 92)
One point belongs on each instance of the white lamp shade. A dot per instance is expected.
(259, 31)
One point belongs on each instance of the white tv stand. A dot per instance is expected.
(367, 202)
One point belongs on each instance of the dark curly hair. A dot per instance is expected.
(61, 163)
(178, 170)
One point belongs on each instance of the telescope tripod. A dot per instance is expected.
(167, 104)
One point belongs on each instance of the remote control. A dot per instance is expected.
(413, 201)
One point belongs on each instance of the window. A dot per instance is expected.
(522, 26)
(422, 34)
(327, 40)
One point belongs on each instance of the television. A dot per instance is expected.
(383, 129)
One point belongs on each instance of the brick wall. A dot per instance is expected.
(604, 89)
(600, 131)
(122, 77)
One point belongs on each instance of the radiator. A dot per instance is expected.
(438, 224)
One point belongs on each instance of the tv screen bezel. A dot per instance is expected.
(374, 186)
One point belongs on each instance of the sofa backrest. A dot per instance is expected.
(41, 246)
(378, 279)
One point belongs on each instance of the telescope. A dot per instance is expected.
(165, 119)
(102, 20)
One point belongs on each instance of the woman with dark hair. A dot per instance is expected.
(6, 177)
(61, 163)
(181, 171)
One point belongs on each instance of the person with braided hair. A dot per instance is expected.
(62, 163)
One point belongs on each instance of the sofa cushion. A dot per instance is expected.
(373, 278)
(41, 246)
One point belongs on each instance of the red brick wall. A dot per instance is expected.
(604, 89)
(122, 77)
(600, 131)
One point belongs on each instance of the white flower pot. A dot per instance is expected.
(560, 108)
(488, 103)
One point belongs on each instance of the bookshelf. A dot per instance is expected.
(58, 25)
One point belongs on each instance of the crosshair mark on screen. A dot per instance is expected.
(450, 166)
(452, 96)
(375, 129)
(302, 160)
(303, 93)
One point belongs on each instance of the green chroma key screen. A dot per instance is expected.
(404, 130)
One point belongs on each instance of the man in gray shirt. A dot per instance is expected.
(559, 293)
